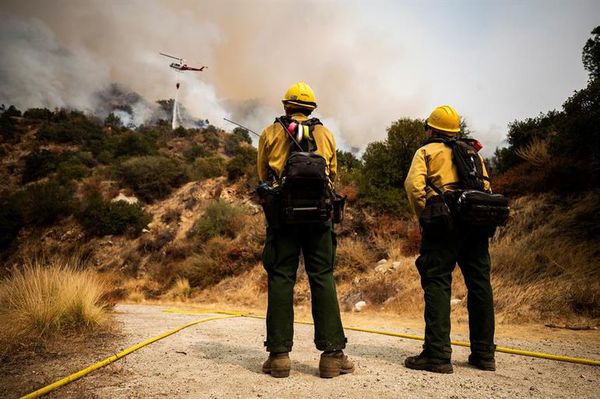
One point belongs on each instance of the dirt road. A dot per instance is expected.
(222, 359)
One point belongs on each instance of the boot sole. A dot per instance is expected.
(484, 367)
(277, 373)
(330, 373)
(434, 368)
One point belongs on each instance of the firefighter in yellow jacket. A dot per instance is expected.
(432, 170)
(285, 241)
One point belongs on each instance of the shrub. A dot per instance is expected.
(11, 111)
(39, 164)
(352, 257)
(232, 144)
(219, 219)
(211, 138)
(205, 168)
(46, 203)
(131, 144)
(242, 134)
(181, 289)
(99, 217)
(386, 165)
(194, 152)
(11, 220)
(73, 169)
(77, 130)
(38, 113)
(211, 265)
(8, 128)
(44, 300)
(243, 164)
(152, 177)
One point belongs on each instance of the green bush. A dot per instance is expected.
(38, 113)
(194, 152)
(46, 203)
(113, 121)
(11, 220)
(211, 138)
(8, 128)
(219, 219)
(39, 164)
(131, 144)
(72, 169)
(385, 165)
(99, 217)
(232, 144)
(152, 177)
(78, 130)
(205, 168)
(242, 134)
(69, 165)
(243, 164)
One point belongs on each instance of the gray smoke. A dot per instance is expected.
(64, 52)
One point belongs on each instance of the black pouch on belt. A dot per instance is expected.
(339, 203)
(436, 217)
(270, 200)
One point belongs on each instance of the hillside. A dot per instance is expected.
(167, 214)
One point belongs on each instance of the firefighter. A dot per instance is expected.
(285, 241)
(432, 170)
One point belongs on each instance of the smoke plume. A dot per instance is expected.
(64, 53)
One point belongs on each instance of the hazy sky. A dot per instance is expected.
(369, 62)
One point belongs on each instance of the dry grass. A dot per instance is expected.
(181, 290)
(546, 261)
(43, 300)
(536, 153)
(353, 257)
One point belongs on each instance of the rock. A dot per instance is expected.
(383, 268)
(382, 262)
(396, 265)
(360, 305)
(455, 301)
(124, 198)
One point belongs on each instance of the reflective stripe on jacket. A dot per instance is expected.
(433, 161)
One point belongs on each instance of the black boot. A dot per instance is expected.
(482, 363)
(423, 362)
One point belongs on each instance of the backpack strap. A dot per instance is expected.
(300, 132)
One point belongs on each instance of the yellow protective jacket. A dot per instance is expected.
(433, 161)
(274, 148)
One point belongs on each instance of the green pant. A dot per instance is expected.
(280, 258)
(439, 254)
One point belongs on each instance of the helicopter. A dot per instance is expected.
(180, 66)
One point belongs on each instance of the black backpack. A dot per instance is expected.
(306, 191)
(471, 204)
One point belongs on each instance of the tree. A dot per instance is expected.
(113, 121)
(386, 163)
(242, 134)
(591, 54)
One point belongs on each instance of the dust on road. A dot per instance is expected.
(222, 359)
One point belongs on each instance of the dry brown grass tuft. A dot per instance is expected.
(545, 262)
(353, 257)
(536, 153)
(181, 290)
(43, 300)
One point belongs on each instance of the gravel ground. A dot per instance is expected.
(222, 359)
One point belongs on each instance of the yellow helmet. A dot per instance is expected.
(301, 95)
(444, 118)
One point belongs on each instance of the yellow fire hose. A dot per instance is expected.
(512, 351)
(109, 360)
(228, 314)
